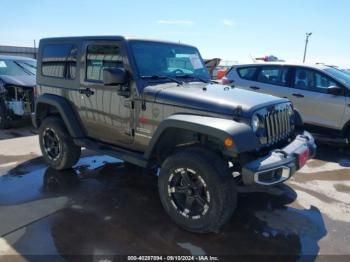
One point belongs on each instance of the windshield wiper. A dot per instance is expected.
(23, 68)
(194, 77)
(156, 77)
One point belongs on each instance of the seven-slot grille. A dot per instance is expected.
(277, 125)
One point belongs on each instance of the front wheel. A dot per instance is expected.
(57, 146)
(197, 191)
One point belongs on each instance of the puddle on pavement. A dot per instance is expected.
(115, 210)
(32, 179)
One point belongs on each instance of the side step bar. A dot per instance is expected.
(123, 154)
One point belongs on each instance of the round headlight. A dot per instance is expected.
(255, 123)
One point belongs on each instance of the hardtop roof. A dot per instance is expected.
(107, 38)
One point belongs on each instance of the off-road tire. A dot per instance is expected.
(69, 153)
(219, 183)
(4, 122)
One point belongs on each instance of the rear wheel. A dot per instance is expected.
(57, 146)
(197, 191)
(4, 122)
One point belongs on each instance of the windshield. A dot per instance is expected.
(29, 65)
(339, 75)
(347, 72)
(14, 68)
(169, 60)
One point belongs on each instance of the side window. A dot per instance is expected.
(100, 57)
(246, 72)
(311, 80)
(59, 61)
(323, 81)
(276, 75)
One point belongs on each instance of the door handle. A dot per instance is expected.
(298, 95)
(254, 87)
(87, 91)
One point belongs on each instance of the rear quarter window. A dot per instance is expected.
(59, 61)
(247, 72)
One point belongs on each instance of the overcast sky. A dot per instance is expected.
(231, 30)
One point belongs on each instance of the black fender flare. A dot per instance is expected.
(243, 136)
(346, 129)
(64, 109)
(299, 122)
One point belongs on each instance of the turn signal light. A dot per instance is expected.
(228, 142)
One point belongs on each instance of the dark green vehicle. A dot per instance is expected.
(152, 104)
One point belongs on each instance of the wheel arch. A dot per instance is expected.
(346, 129)
(299, 122)
(49, 104)
(184, 130)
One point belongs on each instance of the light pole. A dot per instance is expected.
(306, 43)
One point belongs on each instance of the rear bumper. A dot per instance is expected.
(281, 164)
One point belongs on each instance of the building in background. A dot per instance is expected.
(19, 51)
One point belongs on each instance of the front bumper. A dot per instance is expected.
(280, 164)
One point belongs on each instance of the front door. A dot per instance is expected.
(106, 115)
(311, 98)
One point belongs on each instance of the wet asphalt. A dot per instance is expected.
(103, 208)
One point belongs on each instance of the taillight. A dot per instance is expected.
(221, 73)
(226, 81)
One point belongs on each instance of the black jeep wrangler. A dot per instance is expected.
(152, 104)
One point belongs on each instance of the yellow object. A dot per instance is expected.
(228, 142)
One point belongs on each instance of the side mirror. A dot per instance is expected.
(114, 76)
(334, 90)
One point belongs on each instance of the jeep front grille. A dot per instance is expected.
(278, 126)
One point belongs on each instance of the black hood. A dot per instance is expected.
(27, 81)
(210, 97)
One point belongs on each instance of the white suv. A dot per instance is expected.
(320, 94)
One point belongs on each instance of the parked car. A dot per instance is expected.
(152, 104)
(17, 82)
(320, 93)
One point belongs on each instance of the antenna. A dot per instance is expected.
(34, 53)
